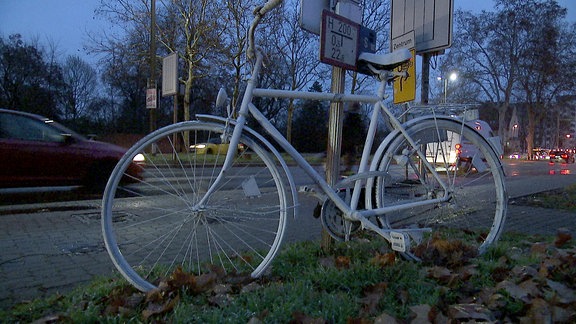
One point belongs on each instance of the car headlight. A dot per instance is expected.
(199, 146)
(139, 158)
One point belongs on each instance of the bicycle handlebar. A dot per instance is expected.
(259, 13)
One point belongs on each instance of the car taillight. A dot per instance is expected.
(458, 149)
(564, 156)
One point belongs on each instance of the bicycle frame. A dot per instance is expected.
(349, 210)
(241, 218)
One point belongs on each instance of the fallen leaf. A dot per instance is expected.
(385, 319)
(524, 272)
(538, 312)
(441, 274)
(157, 309)
(500, 273)
(564, 295)
(180, 279)
(383, 260)
(301, 318)
(563, 236)
(420, 314)
(531, 287)
(342, 262)
(449, 253)
(372, 296)
(538, 248)
(513, 290)
(473, 312)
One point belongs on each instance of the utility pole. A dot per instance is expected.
(152, 84)
(333, 150)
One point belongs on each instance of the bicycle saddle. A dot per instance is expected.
(388, 61)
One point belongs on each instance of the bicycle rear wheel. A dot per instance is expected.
(474, 179)
(154, 223)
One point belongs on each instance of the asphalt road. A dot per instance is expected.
(49, 248)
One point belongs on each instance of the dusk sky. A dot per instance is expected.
(67, 22)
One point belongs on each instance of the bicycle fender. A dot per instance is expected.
(267, 144)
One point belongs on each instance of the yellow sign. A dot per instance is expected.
(405, 87)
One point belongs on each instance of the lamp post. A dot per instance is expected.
(453, 76)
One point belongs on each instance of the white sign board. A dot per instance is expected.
(170, 75)
(431, 21)
(311, 14)
(339, 41)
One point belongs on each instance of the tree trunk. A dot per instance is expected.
(530, 131)
(289, 121)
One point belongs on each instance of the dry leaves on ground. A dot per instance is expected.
(544, 291)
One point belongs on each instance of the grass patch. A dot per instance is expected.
(564, 199)
(356, 281)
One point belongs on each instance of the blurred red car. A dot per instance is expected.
(561, 156)
(37, 152)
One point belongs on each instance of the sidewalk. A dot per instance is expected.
(54, 248)
(539, 221)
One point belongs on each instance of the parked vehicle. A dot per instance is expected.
(561, 156)
(515, 156)
(36, 151)
(540, 154)
(213, 146)
(461, 150)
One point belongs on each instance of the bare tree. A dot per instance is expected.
(81, 81)
(239, 19)
(191, 28)
(485, 52)
(298, 51)
(550, 50)
(514, 54)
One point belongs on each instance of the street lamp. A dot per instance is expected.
(453, 76)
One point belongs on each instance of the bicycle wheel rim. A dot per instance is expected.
(160, 226)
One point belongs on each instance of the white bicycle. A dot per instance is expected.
(199, 204)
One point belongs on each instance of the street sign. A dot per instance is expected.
(339, 41)
(170, 75)
(367, 44)
(311, 14)
(151, 98)
(405, 87)
(431, 21)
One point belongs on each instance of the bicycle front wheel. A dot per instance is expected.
(468, 171)
(158, 218)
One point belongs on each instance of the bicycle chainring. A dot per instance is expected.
(333, 221)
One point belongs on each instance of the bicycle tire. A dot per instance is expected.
(476, 211)
(154, 225)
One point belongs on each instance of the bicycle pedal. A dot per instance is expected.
(399, 241)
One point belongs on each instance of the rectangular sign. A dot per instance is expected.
(431, 20)
(311, 14)
(339, 41)
(170, 75)
(151, 98)
(405, 87)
